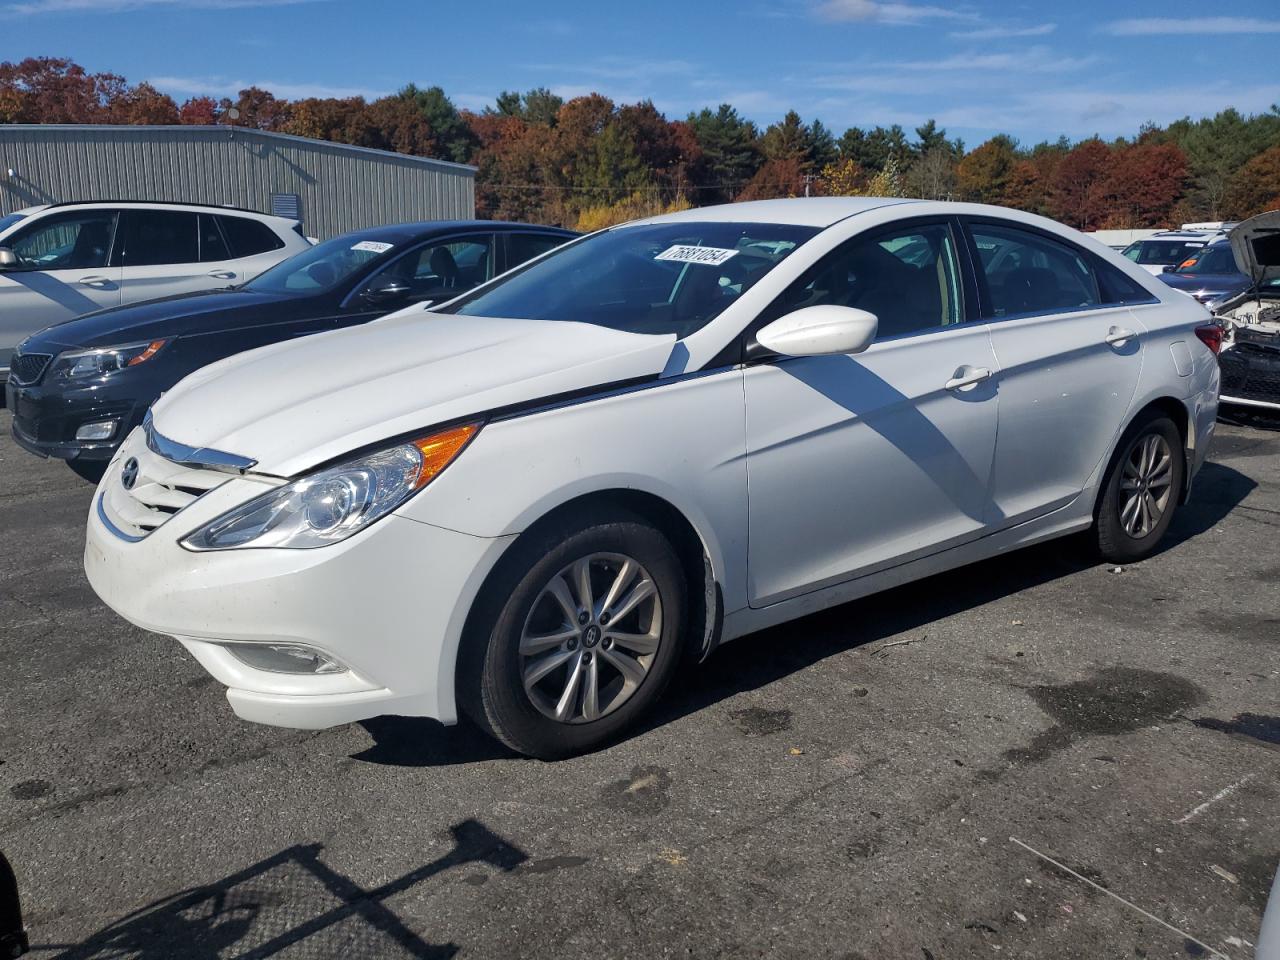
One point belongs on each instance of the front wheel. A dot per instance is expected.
(584, 636)
(1141, 489)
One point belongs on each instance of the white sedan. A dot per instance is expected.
(533, 502)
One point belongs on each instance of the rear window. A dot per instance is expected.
(248, 238)
(1163, 252)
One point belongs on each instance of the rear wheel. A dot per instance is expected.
(1141, 489)
(583, 637)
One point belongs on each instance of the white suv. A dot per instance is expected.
(1168, 248)
(62, 260)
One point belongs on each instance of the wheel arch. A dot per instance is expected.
(698, 555)
(1177, 411)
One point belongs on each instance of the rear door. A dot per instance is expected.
(160, 255)
(250, 247)
(64, 271)
(1069, 352)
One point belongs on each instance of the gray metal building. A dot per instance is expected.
(331, 187)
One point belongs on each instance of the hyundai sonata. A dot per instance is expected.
(534, 502)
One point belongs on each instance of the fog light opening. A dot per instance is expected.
(98, 430)
(285, 658)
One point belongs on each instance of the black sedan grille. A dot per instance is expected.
(28, 367)
(1251, 373)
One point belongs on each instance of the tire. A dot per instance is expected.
(521, 625)
(1127, 532)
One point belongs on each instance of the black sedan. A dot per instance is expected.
(77, 388)
(1211, 275)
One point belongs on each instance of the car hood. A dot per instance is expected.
(1210, 285)
(1256, 245)
(293, 405)
(155, 319)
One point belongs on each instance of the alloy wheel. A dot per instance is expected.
(1146, 485)
(591, 638)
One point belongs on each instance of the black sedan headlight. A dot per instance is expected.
(102, 361)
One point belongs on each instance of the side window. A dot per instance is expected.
(526, 246)
(1028, 274)
(438, 271)
(248, 238)
(212, 245)
(908, 277)
(1115, 287)
(156, 237)
(67, 241)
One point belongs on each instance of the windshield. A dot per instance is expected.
(1215, 259)
(320, 269)
(1162, 252)
(656, 278)
(9, 221)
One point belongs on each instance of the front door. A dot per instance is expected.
(857, 463)
(62, 273)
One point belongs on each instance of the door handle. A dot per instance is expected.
(95, 281)
(1119, 336)
(967, 377)
(222, 274)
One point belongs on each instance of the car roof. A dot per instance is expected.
(1181, 235)
(159, 205)
(797, 211)
(407, 232)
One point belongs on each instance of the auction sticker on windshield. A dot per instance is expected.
(710, 256)
(372, 246)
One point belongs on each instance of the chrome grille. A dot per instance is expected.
(160, 489)
(27, 368)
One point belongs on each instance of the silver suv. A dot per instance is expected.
(62, 260)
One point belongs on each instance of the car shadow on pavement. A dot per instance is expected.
(759, 659)
(291, 901)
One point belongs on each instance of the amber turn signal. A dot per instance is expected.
(439, 449)
(152, 349)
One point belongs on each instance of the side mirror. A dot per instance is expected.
(1170, 268)
(387, 291)
(818, 331)
(8, 259)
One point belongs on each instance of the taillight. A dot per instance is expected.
(1210, 335)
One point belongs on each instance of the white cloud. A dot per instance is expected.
(1198, 26)
(896, 14)
(216, 86)
(31, 7)
(996, 33)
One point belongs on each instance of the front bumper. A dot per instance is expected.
(389, 603)
(45, 420)
(1251, 375)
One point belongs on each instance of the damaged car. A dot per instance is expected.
(1250, 357)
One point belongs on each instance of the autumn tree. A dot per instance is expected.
(1078, 193)
(983, 175)
(782, 177)
(199, 110)
(1256, 189)
(256, 108)
(1145, 182)
(55, 90)
(143, 104)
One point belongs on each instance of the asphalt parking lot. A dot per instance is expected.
(887, 779)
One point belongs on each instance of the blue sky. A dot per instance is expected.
(1035, 70)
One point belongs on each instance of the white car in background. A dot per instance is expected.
(1169, 248)
(535, 501)
(62, 260)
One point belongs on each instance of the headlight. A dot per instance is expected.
(83, 364)
(331, 505)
